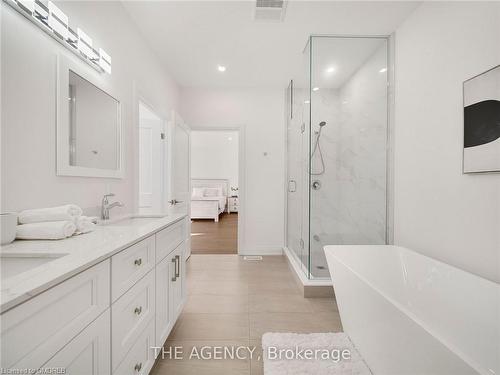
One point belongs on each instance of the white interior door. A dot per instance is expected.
(150, 161)
(179, 199)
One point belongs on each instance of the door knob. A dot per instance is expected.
(173, 202)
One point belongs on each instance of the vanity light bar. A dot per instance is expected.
(55, 23)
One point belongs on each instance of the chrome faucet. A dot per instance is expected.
(106, 206)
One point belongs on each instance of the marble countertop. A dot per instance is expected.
(72, 255)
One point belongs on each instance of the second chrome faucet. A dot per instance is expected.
(106, 206)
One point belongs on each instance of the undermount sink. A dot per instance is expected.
(131, 220)
(15, 264)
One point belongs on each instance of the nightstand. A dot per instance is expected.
(232, 204)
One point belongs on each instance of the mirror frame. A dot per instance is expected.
(64, 168)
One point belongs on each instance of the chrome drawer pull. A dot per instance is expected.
(138, 367)
(138, 310)
(175, 273)
(177, 266)
(138, 262)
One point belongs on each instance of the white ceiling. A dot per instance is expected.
(193, 37)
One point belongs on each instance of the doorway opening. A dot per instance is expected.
(215, 201)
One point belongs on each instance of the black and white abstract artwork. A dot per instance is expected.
(482, 122)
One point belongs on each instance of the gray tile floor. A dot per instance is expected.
(232, 302)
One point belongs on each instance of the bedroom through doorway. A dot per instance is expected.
(214, 191)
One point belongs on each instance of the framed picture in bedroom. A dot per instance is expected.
(482, 122)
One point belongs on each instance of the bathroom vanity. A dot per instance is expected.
(95, 303)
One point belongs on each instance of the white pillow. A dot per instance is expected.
(198, 192)
(213, 192)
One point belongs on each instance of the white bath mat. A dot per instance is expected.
(313, 353)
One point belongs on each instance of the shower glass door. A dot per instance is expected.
(298, 112)
(347, 145)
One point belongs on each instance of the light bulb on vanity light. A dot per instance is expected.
(221, 68)
(58, 21)
(383, 70)
(104, 61)
(315, 88)
(26, 5)
(85, 44)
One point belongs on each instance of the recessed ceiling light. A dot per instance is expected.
(315, 88)
(331, 69)
(306, 102)
(383, 70)
(221, 68)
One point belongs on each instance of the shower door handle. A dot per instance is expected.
(292, 186)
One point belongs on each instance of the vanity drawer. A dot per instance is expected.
(34, 331)
(129, 265)
(169, 238)
(130, 315)
(140, 359)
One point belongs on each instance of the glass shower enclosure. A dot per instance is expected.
(337, 149)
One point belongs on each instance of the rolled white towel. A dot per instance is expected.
(60, 213)
(49, 230)
(84, 224)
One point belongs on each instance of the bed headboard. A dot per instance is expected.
(211, 183)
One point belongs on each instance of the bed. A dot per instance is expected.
(208, 198)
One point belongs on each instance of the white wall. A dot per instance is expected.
(214, 154)
(439, 211)
(262, 114)
(29, 112)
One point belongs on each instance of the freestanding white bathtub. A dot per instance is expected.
(410, 314)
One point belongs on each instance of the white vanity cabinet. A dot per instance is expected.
(164, 317)
(170, 279)
(105, 319)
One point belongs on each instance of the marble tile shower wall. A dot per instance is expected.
(350, 207)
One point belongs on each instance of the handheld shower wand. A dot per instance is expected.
(317, 148)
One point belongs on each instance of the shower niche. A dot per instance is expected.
(337, 149)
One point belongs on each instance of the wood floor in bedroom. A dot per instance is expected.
(209, 237)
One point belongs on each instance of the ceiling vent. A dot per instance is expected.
(270, 10)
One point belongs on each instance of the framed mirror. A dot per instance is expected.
(89, 127)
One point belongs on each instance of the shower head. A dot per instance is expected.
(322, 123)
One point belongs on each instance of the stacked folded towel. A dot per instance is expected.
(48, 230)
(67, 212)
(52, 223)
